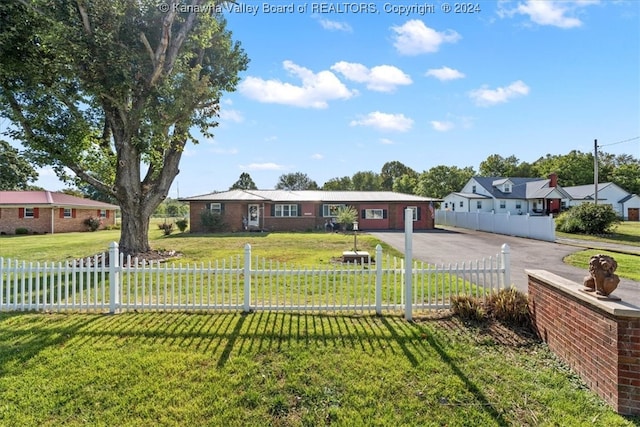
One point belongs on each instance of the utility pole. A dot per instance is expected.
(595, 168)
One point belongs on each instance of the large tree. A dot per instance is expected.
(391, 172)
(94, 86)
(244, 183)
(496, 165)
(17, 172)
(442, 180)
(296, 181)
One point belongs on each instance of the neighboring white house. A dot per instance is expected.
(517, 196)
(626, 205)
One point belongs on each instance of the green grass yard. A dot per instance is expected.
(271, 368)
(276, 369)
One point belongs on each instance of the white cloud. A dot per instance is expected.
(386, 141)
(231, 116)
(271, 138)
(316, 90)
(385, 121)
(317, 156)
(444, 73)
(262, 166)
(414, 38)
(335, 25)
(382, 78)
(486, 97)
(551, 12)
(442, 126)
(219, 150)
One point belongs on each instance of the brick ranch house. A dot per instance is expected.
(283, 210)
(50, 212)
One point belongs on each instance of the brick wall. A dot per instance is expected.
(599, 339)
(10, 220)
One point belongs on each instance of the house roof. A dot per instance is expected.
(627, 198)
(308, 196)
(49, 199)
(472, 195)
(588, 192)
(522, 188)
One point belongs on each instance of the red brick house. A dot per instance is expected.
(282, 210)
(50, 212)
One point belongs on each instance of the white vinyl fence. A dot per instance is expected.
(534, 227)
(112, 283)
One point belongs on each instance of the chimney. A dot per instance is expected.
(553, 180)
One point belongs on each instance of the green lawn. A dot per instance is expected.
(266, 368)
(628, 265)
(626, 232)
(275, 369)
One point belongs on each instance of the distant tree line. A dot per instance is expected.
(574, 168)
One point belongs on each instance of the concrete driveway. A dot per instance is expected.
(453, 245)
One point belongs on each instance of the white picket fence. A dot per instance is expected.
(534, 227)
(243, 283)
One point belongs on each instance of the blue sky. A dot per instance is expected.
(334, 88)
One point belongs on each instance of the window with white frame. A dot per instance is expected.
(479, 204)
(215, 207)
(461, 204)
(68, 213)
(503, 204)
(518, 204)
(331, 210)
(286, 210)
(373, 214)
(103, 213)
(414, 209)
(29, 213)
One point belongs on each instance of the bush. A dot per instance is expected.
(182, 224)
(212, 221)
(507, 305)
(166, 228)
(588, 218)
(93, 223)
(22, 231)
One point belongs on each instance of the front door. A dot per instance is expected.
(254, 216)
(634, 214)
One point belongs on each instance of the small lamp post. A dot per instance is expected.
(355, 236)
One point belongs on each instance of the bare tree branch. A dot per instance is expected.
(85, 17)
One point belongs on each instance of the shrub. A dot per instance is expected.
(22, 231)
(166, 228)
(93, 223)
(588, 218)
(212, 221)
(182, 224)
(510, 306)
(468, 308)
(506, 305)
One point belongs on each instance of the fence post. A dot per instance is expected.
(408, 263)
(378, 279)
(247, 278)
(114, 278)
(506, 265)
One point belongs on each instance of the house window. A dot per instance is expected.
(331, 210)
(518, 204)
(373, 214)
(563, 204)
(461, 204)
(507, 188)
(503, 204)
(215, 207)
(446, 205)
(286, 210)
(68, 213)
(103, 213)
(479, 204)
(414, 209)
(29, 213)
(473, 189)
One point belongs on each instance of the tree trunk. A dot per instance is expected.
(134, 233)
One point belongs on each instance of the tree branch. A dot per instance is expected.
(85, 18)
